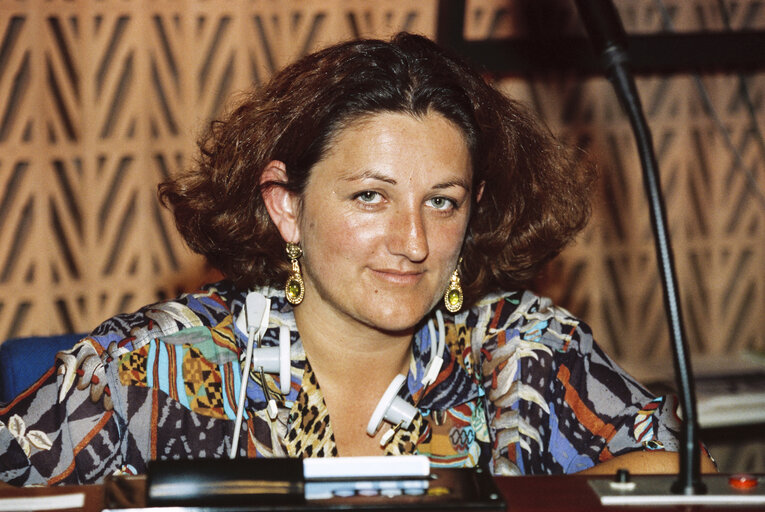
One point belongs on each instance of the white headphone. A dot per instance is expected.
(254, 321)
(391, 408)
(394, 409)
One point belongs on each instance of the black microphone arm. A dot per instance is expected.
(607, 35)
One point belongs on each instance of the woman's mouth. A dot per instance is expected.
(399, 277)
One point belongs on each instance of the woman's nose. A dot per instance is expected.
(409, 237)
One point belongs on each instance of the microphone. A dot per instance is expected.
(605, 30)
(609, 39)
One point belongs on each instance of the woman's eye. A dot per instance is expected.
(369, 197)
(441, 203)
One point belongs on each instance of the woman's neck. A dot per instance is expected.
(341, 348)
(354, 364)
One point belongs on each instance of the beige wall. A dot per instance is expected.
(101, 100)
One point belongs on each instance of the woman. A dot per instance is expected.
(376, 209)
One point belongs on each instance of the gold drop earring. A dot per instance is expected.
(453, 297)
(295, 287)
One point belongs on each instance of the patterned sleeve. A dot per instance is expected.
(142, 386)
(70, 426)
(57, 431)
(557, 403)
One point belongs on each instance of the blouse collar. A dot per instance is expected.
(454, 385)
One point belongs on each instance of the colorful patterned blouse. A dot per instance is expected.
(523, 389)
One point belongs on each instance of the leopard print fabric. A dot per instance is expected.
(309, 433)
(309, 430)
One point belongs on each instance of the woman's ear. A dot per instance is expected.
(479, 192)
(282, 205)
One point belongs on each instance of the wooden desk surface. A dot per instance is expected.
(526, 494)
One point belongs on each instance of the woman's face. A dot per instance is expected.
(383, 218)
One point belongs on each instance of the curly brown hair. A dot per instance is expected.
(535, 195)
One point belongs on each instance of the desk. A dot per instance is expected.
(522, 494)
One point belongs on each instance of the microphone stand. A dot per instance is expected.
(606, 32)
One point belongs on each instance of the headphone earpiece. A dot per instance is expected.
(392, 408)
(276, 360)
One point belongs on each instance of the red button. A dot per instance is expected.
(742, 481)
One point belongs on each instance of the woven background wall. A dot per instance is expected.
(100, 100)
(708, 137)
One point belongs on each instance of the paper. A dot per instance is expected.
(60, 501)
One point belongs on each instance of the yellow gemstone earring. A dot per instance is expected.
(295, 287)
(453, 297)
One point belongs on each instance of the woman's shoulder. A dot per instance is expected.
(525, 315)
(207, 307)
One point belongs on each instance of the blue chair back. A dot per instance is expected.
(24, 360)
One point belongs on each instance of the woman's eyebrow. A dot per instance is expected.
(374, 175)
(453, 183)
(367, 174)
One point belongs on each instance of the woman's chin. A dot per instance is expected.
(400, 318)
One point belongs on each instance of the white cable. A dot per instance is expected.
(436, 350)
(432, 332)
(256, 311)
(441, 332)
(242, 392)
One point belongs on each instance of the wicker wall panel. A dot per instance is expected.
(101, 100)
(711, 153)
(715, 213)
